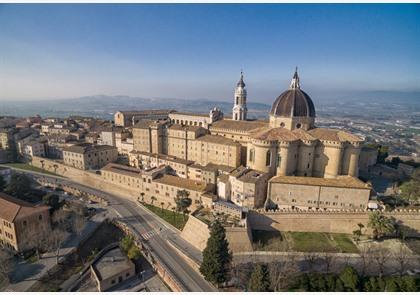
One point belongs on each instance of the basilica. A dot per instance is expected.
(288, 144)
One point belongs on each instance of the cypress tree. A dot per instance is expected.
(260, 279)
(216, 256)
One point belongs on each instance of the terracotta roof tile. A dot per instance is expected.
(12, 208)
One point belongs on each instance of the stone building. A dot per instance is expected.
(21, 223)
(244, 187)
(130, 118)
(185, 142)
(199, 120)
(112, 269)
(297, 192)
(87, 156)
(157, 182)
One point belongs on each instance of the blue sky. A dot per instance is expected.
(197, 51)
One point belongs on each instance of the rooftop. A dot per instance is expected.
(182, 183)
(83, 148)
(185, 127)
(12, 209)
(189, 114)
(112, 263)
(243, 126)
(218, 139)
(341, 181)
(122, 169)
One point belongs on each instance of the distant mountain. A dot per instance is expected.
(105, 106)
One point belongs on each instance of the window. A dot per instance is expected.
(40, 217)
(268, 158)
(278, 160)
(298, 125)
(251, 155)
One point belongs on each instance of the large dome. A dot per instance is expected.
(293, 102)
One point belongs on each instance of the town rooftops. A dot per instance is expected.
(218, 139)
(112, 263)
(182, 183)
(83, 148)
(341, 181)
(12, 209)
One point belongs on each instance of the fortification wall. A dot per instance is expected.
(333, 222)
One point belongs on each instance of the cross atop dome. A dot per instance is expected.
(241, 82)
(295, 84)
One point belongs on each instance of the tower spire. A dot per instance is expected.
(239, 111)
(295, 84)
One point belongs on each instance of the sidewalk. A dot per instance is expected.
(27, 274)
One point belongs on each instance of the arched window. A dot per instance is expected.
(278, 160)
(237, 99)
(268, 158)
(251, 155)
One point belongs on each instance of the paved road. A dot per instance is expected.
(144, 222)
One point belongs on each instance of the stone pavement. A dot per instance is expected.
(27, 274)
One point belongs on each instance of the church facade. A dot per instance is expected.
(288, 144)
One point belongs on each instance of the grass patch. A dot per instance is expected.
(174, 218)
(311, 242)
(302, 242)
(269, 241)
(28, 167)
(344, 243)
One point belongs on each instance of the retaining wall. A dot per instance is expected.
(332, 222)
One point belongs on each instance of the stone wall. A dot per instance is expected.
(333, 222)
(197, 233)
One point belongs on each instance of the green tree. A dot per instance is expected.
(408, 284)
(339, 286)
(2, 183)
(260, 279)
(216, 256)
(19, 185)
(410, 191)
(152, 198)
(371, 285)
(134, 252)
(391, 285)
(182, 201)
(330, 282)
(380, 224)
(51, 200)
(350, 278)
(126, 243)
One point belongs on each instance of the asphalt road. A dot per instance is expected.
(144, 222)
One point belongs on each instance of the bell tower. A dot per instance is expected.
(239, 111)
